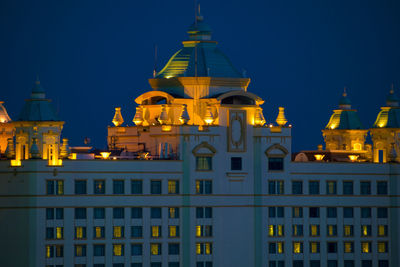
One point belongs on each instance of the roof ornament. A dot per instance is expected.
(184, 117)
(208, 117)
(344, 102)
(392, 100)
(64, 150)
(34, 151)
(163, 119)
(259, 119)
(118, 120)
(281, 119)
(138, 119)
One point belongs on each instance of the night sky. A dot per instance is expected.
(92, 56)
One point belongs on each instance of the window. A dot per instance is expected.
(297, 230)
(331, 188)
(155, 264)
(173, 249)
(382, 212)
(383, 263)
(99, 213)
(313, 187)
(173, 213)
(382, 230)
(173, 264)
(347, 212)
(204, 264)
(80, 250)
(365, 212)
(314, 212)
(99, 265)
(382, 188)
(332, 263)
(136, 249)
(204, 248)
(276, 212)
(99, 250)
(80, 232)
(155, 187)
(136, 264)
(314, 230)
(276, 264)
(173, 187)
(348, 188)
(136, 231)
(155, 213)
(205, 212)
(80, 187)
(276, 187)
(59, 213)
(314, 247)
(136, 213)
(49, 251)
(59, 249)
(331, 230)
(118, 231)
(203, 187)
(155, 249)
(365, 230)
(80, 213)
(366, 247)
(331, 247)
(98, 232)
(99, 187)
(331, 212)
(118, 250)
(349, 263)
(236, 163)
(366, 263)
(275, 248)
(49, 233)
(315, 263)
(49, 214)
(275, 230)
(203, 163)
(118, 187)
(365, 188)
(155, 231)
(55, 187)
(275, 164)
(297, 187)
(173, 231)
(203, 230)
(136, 187)
(348, 230)
(297, 212)
(348, 247)
(118, 213)
(297, 247)
(118, 265)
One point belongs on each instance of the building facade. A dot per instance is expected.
(200, 180)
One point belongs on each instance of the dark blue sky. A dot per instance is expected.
(95, 55)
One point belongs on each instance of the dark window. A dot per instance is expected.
(204, 212)
(349, 263)
(204, 163)
(136, 264)
(173, 249)
(137, 249)
(236, 164)
(99, 187)
(297, 187)
(155, 213)
(155, 187)
(365, 212)
(381, 188)
(276, 187)
(49, 214)
(99, 250)
(314, 212)
(347, 212)
(118, 213)
(80, 213)
(366, 263)
(137, 187)
(271, 212)
(365, 188)
(173, 264)
(59, 213)
(80, 187)
(118, 264)
(332, 247)
(331, 212)
(332, 263)
(99, 213)
(280, 212)
(208, 212)
(50, 187)
(155, 264)
(137, 231)
(383, 263)
(348, 188)
(315, 263)
(203, 187)
(382, 212)
(49, 233)
(272, 248)
(136, 213)
(313, 187)
(118, 187)
(298, 263)
(275, 164)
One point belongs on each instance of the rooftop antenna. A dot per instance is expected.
(155, 61)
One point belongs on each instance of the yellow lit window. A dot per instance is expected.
(348, 247)
(297, 247)
(172, 187)
(365, 247)
(59, 232)
(172, 231)
(296, 212)
(117, 232)
(198, 248)
(49, 251)
(331, 230)
(271, 231)
(279, 246)
(208, 248)
(365, 230)
(79, 251)
(382, 247)
(348, 230)
(314, 230)
(155, 249)
(98, 232)
(198, 230)
(382, 230)
(118, 250)
(314, 247)
(279, 230)
(79, 232)
(155, 231)
(59, 251)
(60, 187)
(197, 186)
(172, 213)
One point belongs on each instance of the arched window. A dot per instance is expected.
(204, 153)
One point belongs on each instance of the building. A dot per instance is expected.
(201, 180)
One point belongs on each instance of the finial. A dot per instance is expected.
(184, 117)
(208, 117)
(392, 88)
(163, 119)
(34, 151)
(281, 119)
(259, 119)
(118, 120)
(344, 92)
(138, 119)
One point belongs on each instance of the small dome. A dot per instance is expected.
(389, 116)
(3, 114)
(344, 102)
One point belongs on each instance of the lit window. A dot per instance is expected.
(207, 248)
(137, 231)
(55, 187)
(198, 230)
(49, 251)
(276, 187)
(80, 250)
(118, 249)
(203, 163)
(271, 230)
(173, 213)
(203, 230)
(297, 212)
(203, 187)
(365, 230)
(80, 232)
(99, 232)
(279, 230)
(297, 247)
(348, 230)
(382, 247)
(156, 231)
(348, 247)
(314, 247)
(204, 248)
(332, 230)
(99, 187)
(173, 187)
(279, 247)
(118, 231)
(382, 230)
(366, 247)
(59, 232)
(314, 230)
(173, 231)
(155, 249)
(331, 188)
(297, 230)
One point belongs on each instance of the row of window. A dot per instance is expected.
(277, 230)
(329, 263)
(99, 250)
(139, 264)
(119, 213)
(331, 212)
(276, 187)
(331, 247)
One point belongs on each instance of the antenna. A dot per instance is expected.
(155, 61)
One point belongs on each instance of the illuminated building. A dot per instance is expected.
(200, 180)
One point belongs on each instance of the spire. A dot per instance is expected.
(344, 102)
(38, 91)
(199, 30)
(392, 100)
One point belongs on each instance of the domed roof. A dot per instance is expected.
(199, 57)
(389, 117)
(3, 114)
(37, 108)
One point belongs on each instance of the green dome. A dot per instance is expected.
(344, 120)
(344, 102)
(392, 100)
(388, 117)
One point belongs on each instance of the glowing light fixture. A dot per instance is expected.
(281, 119)
(118, 120)
(105, 155)
(353, 158)
(259, 119)
(208, 117)
(319, 157)
(15, 163)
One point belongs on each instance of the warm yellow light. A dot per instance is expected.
(208, 120)
(105, 155)
(314, 230)
(330, 230)
(79, 232)
(297, 247)
(279, 230)
(197, 187)
(55, 162)
(319, 157)
(198, 248)
(48, 251)
(365, 230)
(117, 250)
(280, 247)
(382, 247)
(155, 231)
(59, 233)
(72, 156)
(270, 230)
(347, 230)
(208, 248)
(117, 231)
(198, 230)
(172, 213)
(98, 232)
(166, 128)
(348, 247)
(353, 157)
(381, 230)
(365, 247)
(172, 231)
(154, 249)
(333, 126)
(314, 247)
(15, 162)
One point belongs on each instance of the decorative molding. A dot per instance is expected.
(237, 143)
